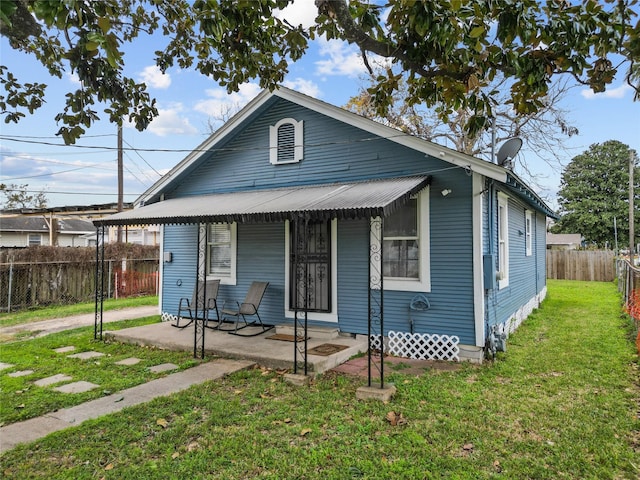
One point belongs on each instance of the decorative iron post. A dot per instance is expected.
(299, 246)
(375, 324)
(99, 283)
(201, 274)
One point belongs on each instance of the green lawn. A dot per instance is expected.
(562, 402)
(60, 311)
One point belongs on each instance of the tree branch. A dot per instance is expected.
(338, 11)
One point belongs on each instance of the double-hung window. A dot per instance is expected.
(401, 243)
(503, 240)
(528, 235)
(405, 246)
(221, 252)
(35, 239)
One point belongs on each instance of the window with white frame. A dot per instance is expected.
(221, 252)
(528, 236)
(286, 141)
(401, 243)
(405, 243)
(503, 240)
(35, 239)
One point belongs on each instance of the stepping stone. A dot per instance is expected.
(70, 348)
(86, 355)
(76, 387)
(21, 373)
(5, 365)
(163, 367)
(44, 382)
(128, 361)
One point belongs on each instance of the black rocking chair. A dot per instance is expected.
(209, 304)
(248, 308)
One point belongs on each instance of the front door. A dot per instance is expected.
(310, 264)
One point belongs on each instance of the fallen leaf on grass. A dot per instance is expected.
(162, 422)
(304, 432)
(175, 455)
(109, 467)
(396, 418)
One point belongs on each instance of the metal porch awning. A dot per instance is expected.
(363, 199)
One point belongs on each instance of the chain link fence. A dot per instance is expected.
(61, 276)
(629, 286)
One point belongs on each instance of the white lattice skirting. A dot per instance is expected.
(168, 317)
(424, 346)
(420, 346)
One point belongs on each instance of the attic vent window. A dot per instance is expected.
(285, 141)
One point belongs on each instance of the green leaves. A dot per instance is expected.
(594, 190)
(448, 50)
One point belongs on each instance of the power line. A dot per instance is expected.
(68, 193)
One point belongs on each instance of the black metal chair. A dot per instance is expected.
(248, 308)
(205, 305)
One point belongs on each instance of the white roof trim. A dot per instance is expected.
(483, 167)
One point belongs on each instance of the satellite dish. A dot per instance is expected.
(508, 151)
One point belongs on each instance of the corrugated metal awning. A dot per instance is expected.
(337, 200)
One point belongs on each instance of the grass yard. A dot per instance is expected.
(562, 402)
(60, 311)
(20, 399)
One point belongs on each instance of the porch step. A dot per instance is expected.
(315, 332)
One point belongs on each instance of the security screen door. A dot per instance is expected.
(311, 264)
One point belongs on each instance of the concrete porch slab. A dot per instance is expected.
(259, 349)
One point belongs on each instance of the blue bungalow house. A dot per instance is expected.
(355, 226)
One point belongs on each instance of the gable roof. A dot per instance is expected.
(38, 224)
(266, 97)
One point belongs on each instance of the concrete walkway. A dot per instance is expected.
(36, 428)
(45, 327)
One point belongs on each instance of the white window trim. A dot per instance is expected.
(503, 231)
(423, 283)
(232, 278)
(528, 233)
(332, 316)
(298, 150)
(29, 235)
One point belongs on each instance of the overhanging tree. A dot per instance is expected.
(543, 131)
(594, 189)
(448, 51)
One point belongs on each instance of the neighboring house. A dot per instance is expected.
(315, 199)
(28, 231)
(564, 241)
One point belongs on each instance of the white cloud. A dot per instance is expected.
(344, 59)
(73, 78)
(618, 92)
(300, 12)
(303, 85)
(170, 122)
(221, 105)
(154, 78)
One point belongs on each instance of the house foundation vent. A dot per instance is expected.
(424, 346)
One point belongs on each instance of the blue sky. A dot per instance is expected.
(188, 102)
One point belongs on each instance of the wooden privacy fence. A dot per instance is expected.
(588, 265)
(30, 284)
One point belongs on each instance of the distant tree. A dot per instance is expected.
(543, 131)
(19, 196)
(594, 189)
(448, 51)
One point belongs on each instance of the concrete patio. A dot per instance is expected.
(260, 349)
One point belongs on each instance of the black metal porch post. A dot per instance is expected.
(299, 246)
(375, 323)
(99, 283)
(201, 285)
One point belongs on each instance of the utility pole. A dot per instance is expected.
(120, 181)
